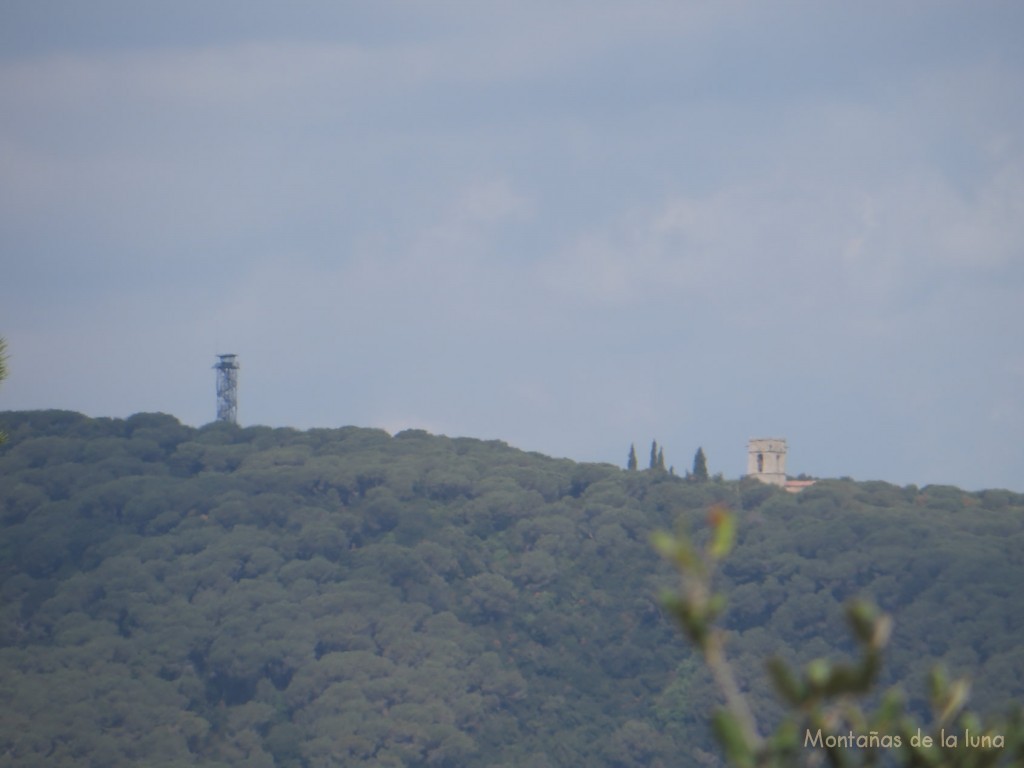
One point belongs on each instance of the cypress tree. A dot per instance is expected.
(3, 375)
(654, 455)
(631, 464)
(700, 466)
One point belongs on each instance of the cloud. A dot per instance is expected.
(803, 244)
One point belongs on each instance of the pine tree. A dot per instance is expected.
(700, 467)
(654, 455)
(631, 464)
(661, 459)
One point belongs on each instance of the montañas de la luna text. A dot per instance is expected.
(877, 740)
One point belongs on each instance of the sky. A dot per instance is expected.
(570, 226)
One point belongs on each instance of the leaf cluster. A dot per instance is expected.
(826, 720)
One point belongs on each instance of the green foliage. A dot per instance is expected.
(700, 467)
(631, 462)
(255, 596)
(825, 715)
(3, 375)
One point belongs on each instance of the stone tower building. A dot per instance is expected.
(766, 460)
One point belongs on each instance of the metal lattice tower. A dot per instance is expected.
(227, 389)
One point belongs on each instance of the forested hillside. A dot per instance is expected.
(230, 596)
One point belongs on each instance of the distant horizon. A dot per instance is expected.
(641, 450)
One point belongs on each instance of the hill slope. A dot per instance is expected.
(226, 596)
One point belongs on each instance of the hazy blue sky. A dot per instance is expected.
(570, 226)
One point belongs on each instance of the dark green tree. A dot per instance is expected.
(661, 459)
(700, 467)
(631, 464)
(3, 375)
(654, 454)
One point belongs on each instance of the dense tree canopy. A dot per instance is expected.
(227, 596)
